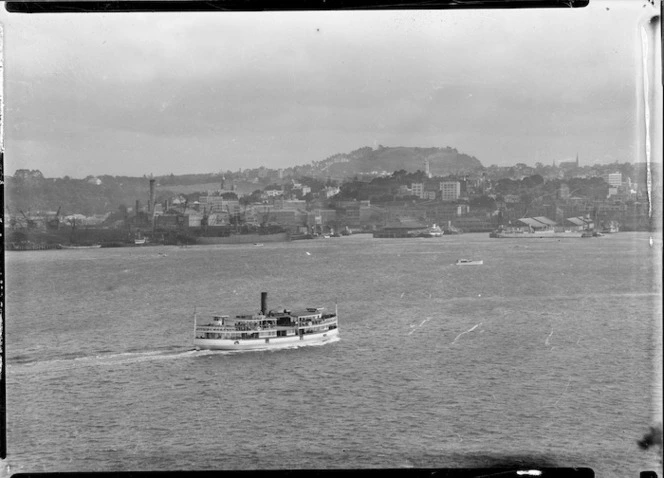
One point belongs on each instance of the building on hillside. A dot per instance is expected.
(404, 191)
(512, 198)
(417, 189)
(286, 217)
(563, 191)
(569, 164)
(214, 203)
(450, 190)
(614, 180)
(290, 204)
(323, 216)
(330, 191)
(273, 192)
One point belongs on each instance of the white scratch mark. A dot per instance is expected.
(308, 253)
(564, 392)
(546, 342)
(467, 331)
(402, 294)
(413, 326)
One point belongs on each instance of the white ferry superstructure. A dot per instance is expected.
(267, 329)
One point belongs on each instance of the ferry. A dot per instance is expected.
(266, 329)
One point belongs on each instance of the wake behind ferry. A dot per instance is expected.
(266, 329)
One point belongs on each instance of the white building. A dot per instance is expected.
(614, 180)
(450, 190)
(330, 191)
(417, 189)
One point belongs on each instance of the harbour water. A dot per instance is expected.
(546, 354)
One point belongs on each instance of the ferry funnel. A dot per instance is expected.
(263, 303)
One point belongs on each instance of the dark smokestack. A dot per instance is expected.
(151, 204)
(138, 206)
(263, 303)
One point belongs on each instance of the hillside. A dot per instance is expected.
(442, 161)
(30, 191)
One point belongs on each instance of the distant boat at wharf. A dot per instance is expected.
(611, 228)
(540, 227)
(74, 246)
(266, 329)
(469, 262)
(527, 233)
(432, 231)
(591, 233)
(140, 240)
(400, 231)
(252, 238)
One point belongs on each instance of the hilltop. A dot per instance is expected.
(442, 161)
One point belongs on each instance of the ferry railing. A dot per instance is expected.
(232, 328)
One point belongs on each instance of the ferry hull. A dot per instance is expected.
(267, 344)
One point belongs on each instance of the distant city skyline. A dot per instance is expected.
(152, 93)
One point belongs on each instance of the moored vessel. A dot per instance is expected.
(433, 231)
(266, 329)
(469, 262)
(252, 238)
(79, 246)
(529, 233)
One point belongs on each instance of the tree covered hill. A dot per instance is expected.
(442, 161)
(30, 191)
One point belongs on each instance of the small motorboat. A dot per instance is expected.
(469, 262)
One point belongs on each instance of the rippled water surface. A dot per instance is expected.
(547, 352)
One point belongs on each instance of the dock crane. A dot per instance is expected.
(29, 222)
(13, 222)
(54, 222)
(234, 218)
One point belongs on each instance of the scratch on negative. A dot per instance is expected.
(412, 327)
(467, 331)
(546, 342)
(564, 392)
(646, 104)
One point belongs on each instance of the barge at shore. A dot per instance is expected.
(267, 329)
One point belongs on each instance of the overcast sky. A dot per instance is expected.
(134, 94)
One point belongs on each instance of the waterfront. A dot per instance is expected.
(545, 351)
